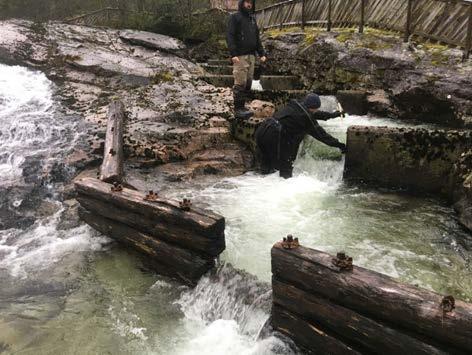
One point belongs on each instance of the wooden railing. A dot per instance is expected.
(448, 21)
(102, 17)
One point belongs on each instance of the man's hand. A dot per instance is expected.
(235, 60)
(263, 59)
(340, 114)
(343, 148)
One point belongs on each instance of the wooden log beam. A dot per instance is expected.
(346, 324)
(175, 235)
(165, 258)
(375, 295)
(161, 210)
(112, 166)
(306, 335)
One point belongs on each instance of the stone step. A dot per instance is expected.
(268, 82)
(219, 69)
(219, 61)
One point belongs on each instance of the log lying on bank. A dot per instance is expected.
(112, 166)
(181, 234)
(366, 310)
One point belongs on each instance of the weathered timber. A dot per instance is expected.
(346, 324)
(165, 258)
(175, 235)
(306, 335)
(376, 296)
(165, 211)
(112, 166)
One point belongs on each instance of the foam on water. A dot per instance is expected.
(31, 128)
(24, 253)
(115, 306)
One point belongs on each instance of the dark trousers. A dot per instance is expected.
(275, 150)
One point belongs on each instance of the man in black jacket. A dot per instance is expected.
(279, 138)
(244, 43)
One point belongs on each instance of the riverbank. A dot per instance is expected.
(409, 81)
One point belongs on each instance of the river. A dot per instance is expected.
(67, 290)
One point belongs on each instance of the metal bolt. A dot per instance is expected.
(448, 304)
(290, 242)
(185, 205)
(343, 262)
(112, 152)
(151, 196)
(117, 187)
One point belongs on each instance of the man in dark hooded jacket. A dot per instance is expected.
(279, 138)
(244, 43)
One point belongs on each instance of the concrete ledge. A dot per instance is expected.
(419, 159)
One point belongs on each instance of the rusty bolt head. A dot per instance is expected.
(448, 304)
(185, 204)
(117, 187)
(112, 152)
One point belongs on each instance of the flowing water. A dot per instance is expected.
(67, 290)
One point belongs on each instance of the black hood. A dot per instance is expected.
(242, 9)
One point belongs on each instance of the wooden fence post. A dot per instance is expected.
(468, 41)
(408, 21)
(263, 21)
(330, 8)
(361, 25)
(280, 9)
(303, 15)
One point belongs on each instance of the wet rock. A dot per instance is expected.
(420, 159)
(69, 218)
(170, 112)
(462, 195)
(430, 86)
(353, 102)
(262, 109)
(152, 41)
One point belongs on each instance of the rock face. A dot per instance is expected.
(405, 157)
(431, 161)
(408, 81)
(171, 113)
(463, 188)
(152, 41)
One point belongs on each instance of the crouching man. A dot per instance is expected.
(244, 43)
(279, 138)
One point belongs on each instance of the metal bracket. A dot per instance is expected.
(151, 196)
(116, 187)
(290, 242)
(185, 205)
(343, 262)
(448, 304)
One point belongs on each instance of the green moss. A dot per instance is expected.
(345, 36)
(162, 77)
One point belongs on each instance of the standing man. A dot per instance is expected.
(279, 138)
(244, 43)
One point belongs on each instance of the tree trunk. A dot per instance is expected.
(176, 235)
(161, 211)
(306, 335)
(375, 295)
(360, 331)
(165, 258)
(112, 166)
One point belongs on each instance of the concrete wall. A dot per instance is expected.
(418, 159)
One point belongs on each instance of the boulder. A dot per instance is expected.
(152, 41)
